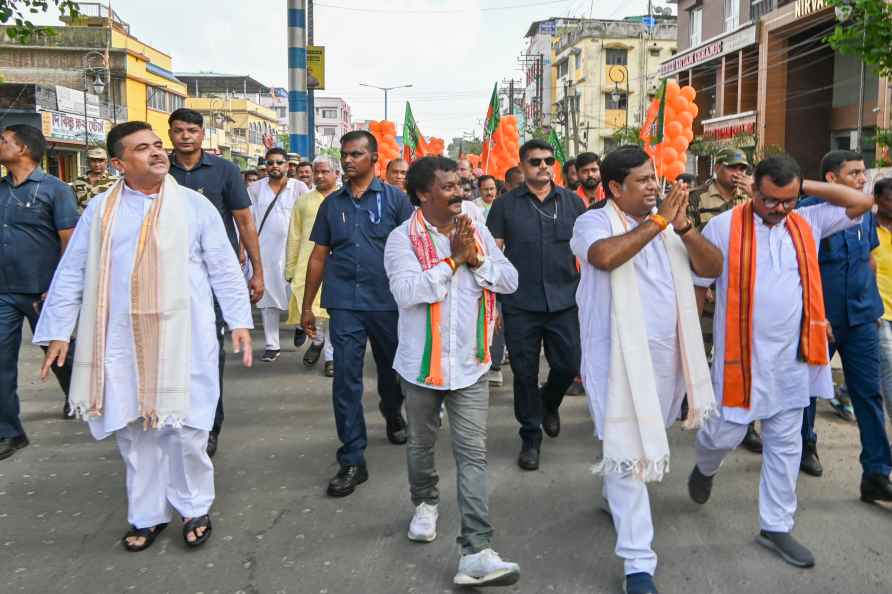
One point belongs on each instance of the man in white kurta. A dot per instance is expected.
(603, 249)
(781, 381)
(167, 466)
(273, 199)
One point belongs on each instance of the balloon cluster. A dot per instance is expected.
(435, 147)
(504, 153)
(671, 155)
(385, 133)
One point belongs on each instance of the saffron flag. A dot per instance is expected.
(493, 116)
(652, 130)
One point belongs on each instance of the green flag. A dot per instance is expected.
(555, 143)
(493, 114)
(411, 135)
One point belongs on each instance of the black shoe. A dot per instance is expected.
(347, 479)
(329, 369)
(212, 444)
(66, 410)
(811, 463)
(311, 357)
(396, 430)
(699, 486)
(269, 355)
(752, 441)
(639, 583)
(551, 423)
(787, 547)
(10, 445)
(300, 337)
(528, 458)
(875, 487)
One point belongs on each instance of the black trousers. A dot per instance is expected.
(221, 335)
(525, 334)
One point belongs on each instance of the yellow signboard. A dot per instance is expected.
(316, 67)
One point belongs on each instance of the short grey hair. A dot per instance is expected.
(330, 161)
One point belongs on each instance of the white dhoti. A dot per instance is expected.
(271, 317)
(781, 456)
(166, 468)
(629, 504)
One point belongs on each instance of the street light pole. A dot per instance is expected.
(386, 91)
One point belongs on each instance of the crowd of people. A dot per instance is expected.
(718, 305)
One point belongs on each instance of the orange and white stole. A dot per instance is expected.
(159, 311)
(738, 373)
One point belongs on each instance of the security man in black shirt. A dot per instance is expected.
(534, 223)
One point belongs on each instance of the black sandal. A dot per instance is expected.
(193, 524)
(150, 534)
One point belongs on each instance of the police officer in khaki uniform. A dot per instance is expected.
(96, 181)
(729, 186)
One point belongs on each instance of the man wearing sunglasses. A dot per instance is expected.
(534, 223)
(853, 305)
(273, 199)
(350, 231)
(770, 331)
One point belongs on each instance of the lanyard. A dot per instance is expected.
(372, 215)
(28, 201)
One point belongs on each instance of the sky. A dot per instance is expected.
(450, 51)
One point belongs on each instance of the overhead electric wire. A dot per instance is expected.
(438, 10)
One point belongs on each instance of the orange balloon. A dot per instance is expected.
(680, 143)
(693, 109)
(674, 170)
(680, 104)
(672, 89)
(688, 93)
(670, 155)
(669, 114)
(674, 129)
(685, 118)
(689, 134)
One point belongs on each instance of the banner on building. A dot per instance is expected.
(72, 101)
(65, 127)
(316, 67)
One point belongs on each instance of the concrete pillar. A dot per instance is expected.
(298, 137)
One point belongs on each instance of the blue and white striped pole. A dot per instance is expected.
(298, 139)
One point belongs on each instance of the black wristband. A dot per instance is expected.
(686, 229)
(801, 185)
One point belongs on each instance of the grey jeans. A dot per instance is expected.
(467, 409)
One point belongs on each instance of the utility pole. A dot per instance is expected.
(298, 137)
(311, 97)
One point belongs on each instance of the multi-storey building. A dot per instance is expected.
(763, 70)
(605, 73)
(333, 120)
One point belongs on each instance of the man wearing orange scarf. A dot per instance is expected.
(444, 271)
(770, 333)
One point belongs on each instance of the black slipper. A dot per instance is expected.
(190, 526)
(150, 534)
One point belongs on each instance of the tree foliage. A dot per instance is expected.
(629, 135)
(864, 29)
(17, 14)
(467, 146)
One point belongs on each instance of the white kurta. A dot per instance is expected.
(274, 237)
(660, 312)
(781, 381)
(459, 295)
(212, 265)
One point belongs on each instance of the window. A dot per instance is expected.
(155, 98)
(176, 102)
(330, 114)
(696, 20)
(617, 57)
(654, 52)
(618, 102)
(732, 14)
(563, 68)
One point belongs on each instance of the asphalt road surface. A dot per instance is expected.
(63, 508)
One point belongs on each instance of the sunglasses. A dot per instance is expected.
(275, 162)
(536, 162)
(773, 203)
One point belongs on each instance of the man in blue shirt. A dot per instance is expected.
(350, 231)
(38, 213)
(853, 306)
(220, 181)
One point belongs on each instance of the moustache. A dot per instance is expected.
(455, 200)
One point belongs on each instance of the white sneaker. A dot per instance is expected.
(486, 568)
(423, 527)
(495, 378)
